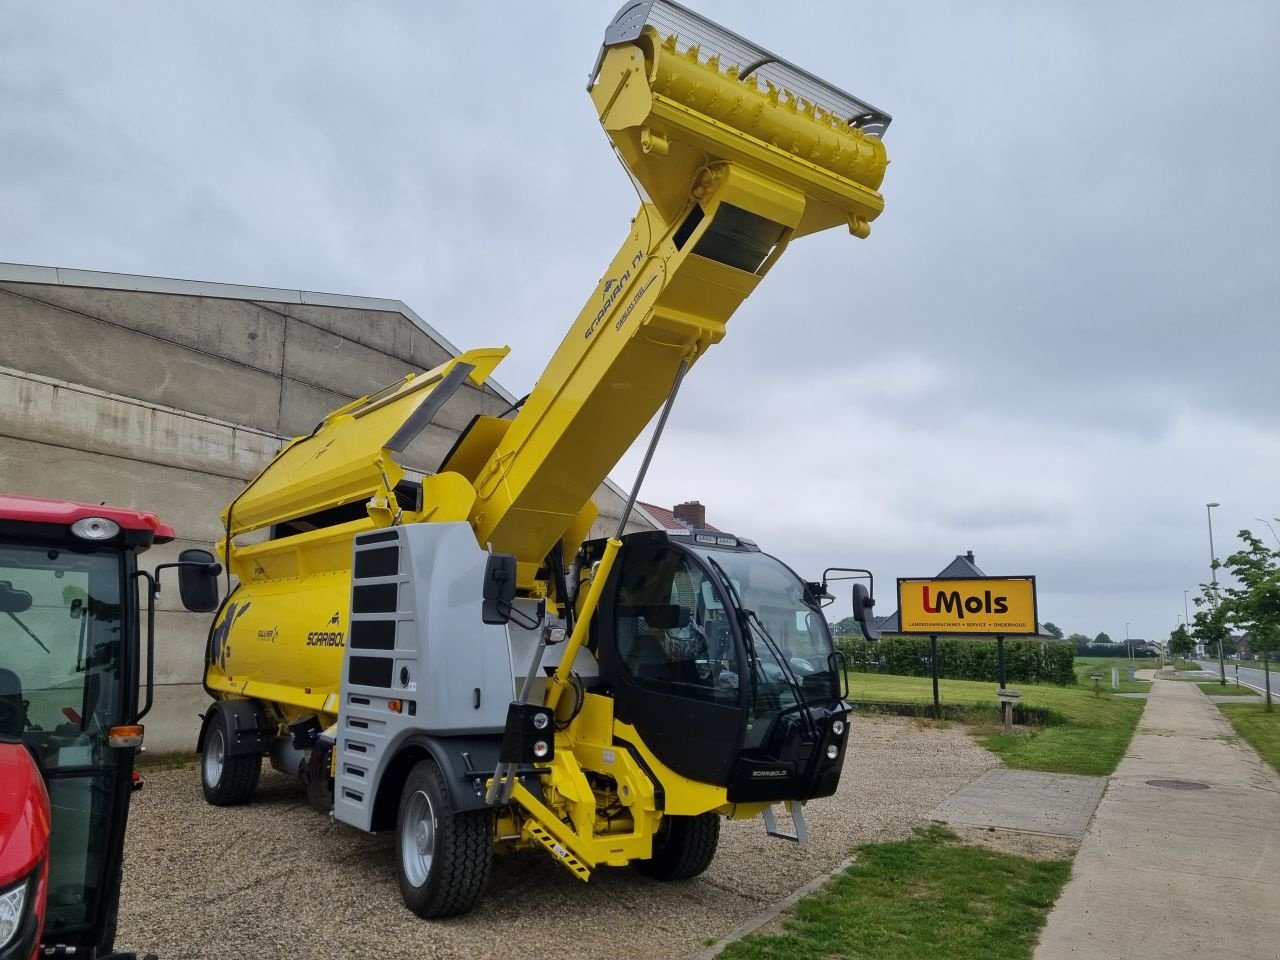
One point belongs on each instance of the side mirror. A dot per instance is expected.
(198, 580)
(862, 605)
(499, 590)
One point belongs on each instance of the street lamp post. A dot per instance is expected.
(1186, 612)
(1213, 573)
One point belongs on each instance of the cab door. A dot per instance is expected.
(670, 651)
(69, 673)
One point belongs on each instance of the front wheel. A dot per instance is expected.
(682, 848)
(443, 856)
(227, 780)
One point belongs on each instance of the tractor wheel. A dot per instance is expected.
(227, 780)
(683, 847)
(443, 856)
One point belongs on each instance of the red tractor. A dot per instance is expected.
(71, 672)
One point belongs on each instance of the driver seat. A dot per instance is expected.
(13, 712)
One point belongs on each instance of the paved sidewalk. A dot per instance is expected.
(1187, 866)
(1055, 804)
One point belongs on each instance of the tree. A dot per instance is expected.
(1053, 630)
(1102, 638)
(848, 627)
(1255, 603)
(1081, 642)
(1180, 642)
(1209, 625)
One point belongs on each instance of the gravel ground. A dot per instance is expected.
(277, 879)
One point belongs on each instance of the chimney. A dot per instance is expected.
(692, 514)
(969, 556)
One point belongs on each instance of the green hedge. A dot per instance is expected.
(963, 658)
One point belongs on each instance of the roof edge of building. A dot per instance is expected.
(104, 280)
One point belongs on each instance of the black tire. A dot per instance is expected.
(227, 780)
(442, 857)
(683, 847)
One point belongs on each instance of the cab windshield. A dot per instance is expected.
(61, 690)
(787, 636)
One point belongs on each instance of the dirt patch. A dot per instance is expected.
(1030, 845)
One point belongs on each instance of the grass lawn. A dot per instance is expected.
(1085, 733)
(1103, 665)
(1230, 690)
(1259, 728)
(924, 897)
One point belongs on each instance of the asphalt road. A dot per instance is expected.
(1248, 676)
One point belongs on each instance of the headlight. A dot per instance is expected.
(11, 903)
(541, 748)
(837, 727)
(832, 752)
(95, 528)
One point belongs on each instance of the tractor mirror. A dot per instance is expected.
(499, 590)
(862, 606)
(11, 600)
(198, 580)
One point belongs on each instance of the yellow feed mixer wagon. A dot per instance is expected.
(450, 657)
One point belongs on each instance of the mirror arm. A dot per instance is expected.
(212, 569)
(153, 591)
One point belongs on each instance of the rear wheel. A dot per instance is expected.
(227, 780)
(683, 847)
(443, 856)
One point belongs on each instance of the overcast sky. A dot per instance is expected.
(1059, 343)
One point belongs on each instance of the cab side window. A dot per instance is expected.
(669, 636)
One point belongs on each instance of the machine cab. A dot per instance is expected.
(721, 658)
(69, 698)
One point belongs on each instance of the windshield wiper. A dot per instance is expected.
(752, 656)
(788, 675)
(27, 631)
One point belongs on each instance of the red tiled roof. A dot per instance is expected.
(668, 519)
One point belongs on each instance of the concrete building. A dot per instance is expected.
(168, 395)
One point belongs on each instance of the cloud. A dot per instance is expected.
(1057, 344)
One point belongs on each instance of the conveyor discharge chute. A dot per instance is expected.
(735, 151)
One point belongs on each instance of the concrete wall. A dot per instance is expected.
(158, 395)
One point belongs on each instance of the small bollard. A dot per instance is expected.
(1097, 685)
(1008, 698)
(1132, 673)
(1115, 678)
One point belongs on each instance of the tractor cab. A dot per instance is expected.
(70, 662)
(720, 656)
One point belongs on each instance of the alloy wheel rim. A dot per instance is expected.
(418, 838)
(214, 753)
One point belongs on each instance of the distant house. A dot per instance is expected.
(962, 567)
(690, 515)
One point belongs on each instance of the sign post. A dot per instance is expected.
(985, 606)
(933, 668)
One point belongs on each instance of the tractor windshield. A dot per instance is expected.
(61, 689)
(791, 647)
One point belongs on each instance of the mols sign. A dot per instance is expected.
(1003, 606)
